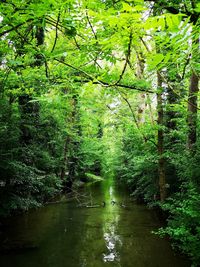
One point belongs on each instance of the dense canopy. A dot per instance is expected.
(93, 87)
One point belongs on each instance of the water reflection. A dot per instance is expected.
(112, 241)
(111, 220)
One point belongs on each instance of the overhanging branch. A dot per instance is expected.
(56, 36)
(92, 79)
(15, 27)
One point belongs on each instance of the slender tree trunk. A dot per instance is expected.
(29, 118)
(65, 160)
(150, 109)
(193, 88)
(173, 85)
(73, 144)
(142, 97)
(192, 111)
(30, 110)
(70, 150)
(161, 160)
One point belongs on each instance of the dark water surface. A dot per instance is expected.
(65, 235)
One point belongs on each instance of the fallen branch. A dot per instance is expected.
(94, 206)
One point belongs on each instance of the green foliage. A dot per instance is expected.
(137, 166)
(184, 220)
(78, 100)
(26, 187)
(93, 178)
(29, 171)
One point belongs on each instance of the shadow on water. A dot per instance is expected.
(65, 235)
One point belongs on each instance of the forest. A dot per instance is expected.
(92, 88)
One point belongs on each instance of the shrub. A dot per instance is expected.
(184, 221)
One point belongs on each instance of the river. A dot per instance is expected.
(68, 235)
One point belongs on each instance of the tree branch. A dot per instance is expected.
(145, 45)
(185, 66)
(128, 54)
(56, 37)
(100, 82)
(76, 43)
(88, 19)
(163, 78)
(136, 122)
(14, 27)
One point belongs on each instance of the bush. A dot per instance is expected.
(184, 221)
(26, 188)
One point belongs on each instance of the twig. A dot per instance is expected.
(136, 122)
(46, 67)
(185, 66)
(88, 19)
(75, 68)
(56, 37)
(76, 43)
(132, 112)
(145, 45)
(15, 27)
(128, 54)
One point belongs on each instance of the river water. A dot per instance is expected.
(68, 235)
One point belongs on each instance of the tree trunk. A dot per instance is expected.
(29, 118)
(30, 110)
(193, 88)
(173, 85)
(71, 146)
(192, 111)
(142, 97)
(65, 160)
(161, 160)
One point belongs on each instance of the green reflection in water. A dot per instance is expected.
(111, 218)
(65, 235)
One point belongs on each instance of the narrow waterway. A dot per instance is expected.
(68, 235)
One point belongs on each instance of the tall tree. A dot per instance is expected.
(194, 82)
